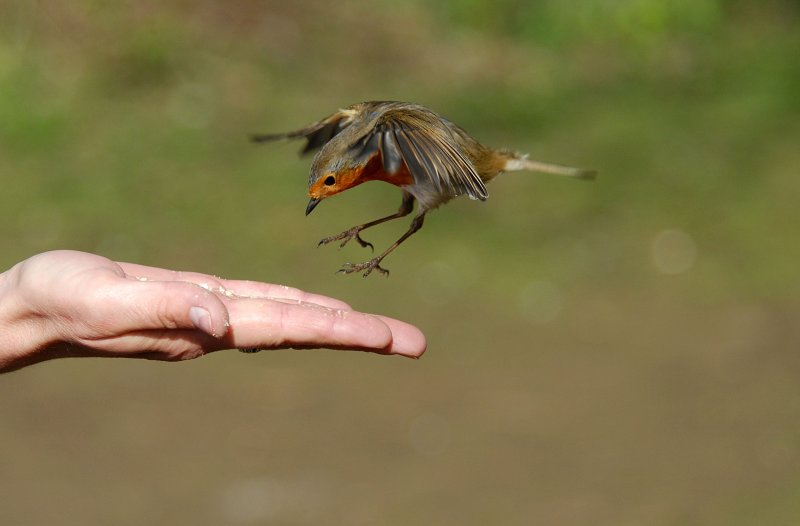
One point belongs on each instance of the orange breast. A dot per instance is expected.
(373, 170)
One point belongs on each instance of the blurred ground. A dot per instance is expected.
(617, 353)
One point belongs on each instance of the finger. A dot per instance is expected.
(265, 324)
(147, 273)
(141, 305)
(256, 289)
(407, 339)
(164, 345)
(230, 287)
(259, 323)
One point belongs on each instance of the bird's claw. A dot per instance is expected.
(367, 267)
(344, 237)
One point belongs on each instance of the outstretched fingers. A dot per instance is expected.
(230, 288)
(269, 324)
(186, 318)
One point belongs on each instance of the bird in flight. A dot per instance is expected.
(410, 146)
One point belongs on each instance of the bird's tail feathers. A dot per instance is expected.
(269, 137)
(517, 162)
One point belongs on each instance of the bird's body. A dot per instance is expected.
(428, 157)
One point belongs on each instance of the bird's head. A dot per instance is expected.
(333, 172)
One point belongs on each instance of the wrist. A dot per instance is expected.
(25, 332)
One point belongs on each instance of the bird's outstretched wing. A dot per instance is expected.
(317, 134)
(419, 139)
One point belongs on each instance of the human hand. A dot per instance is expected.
(68, 304)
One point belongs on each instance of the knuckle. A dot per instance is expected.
(163, 310)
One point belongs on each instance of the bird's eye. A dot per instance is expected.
(330, 180)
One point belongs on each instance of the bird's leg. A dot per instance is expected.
(374, 263)
(353, 233)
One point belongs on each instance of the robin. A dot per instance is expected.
(428, 157)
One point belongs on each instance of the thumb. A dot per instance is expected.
(143, 305)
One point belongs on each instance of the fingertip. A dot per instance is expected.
(202, 320)
(210, 316)
(406, 339)
(201, 309)
(379, 335)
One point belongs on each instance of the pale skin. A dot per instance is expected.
(75, 304)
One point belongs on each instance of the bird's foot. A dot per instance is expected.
(366, 267)
(346, 236)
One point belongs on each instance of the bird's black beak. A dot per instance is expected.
(312, 204)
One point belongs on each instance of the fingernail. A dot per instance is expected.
(201, 319)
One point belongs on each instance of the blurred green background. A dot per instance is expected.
(621, 352)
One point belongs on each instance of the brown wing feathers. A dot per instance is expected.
(442, 162)
(428, 152)
(317, 134)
